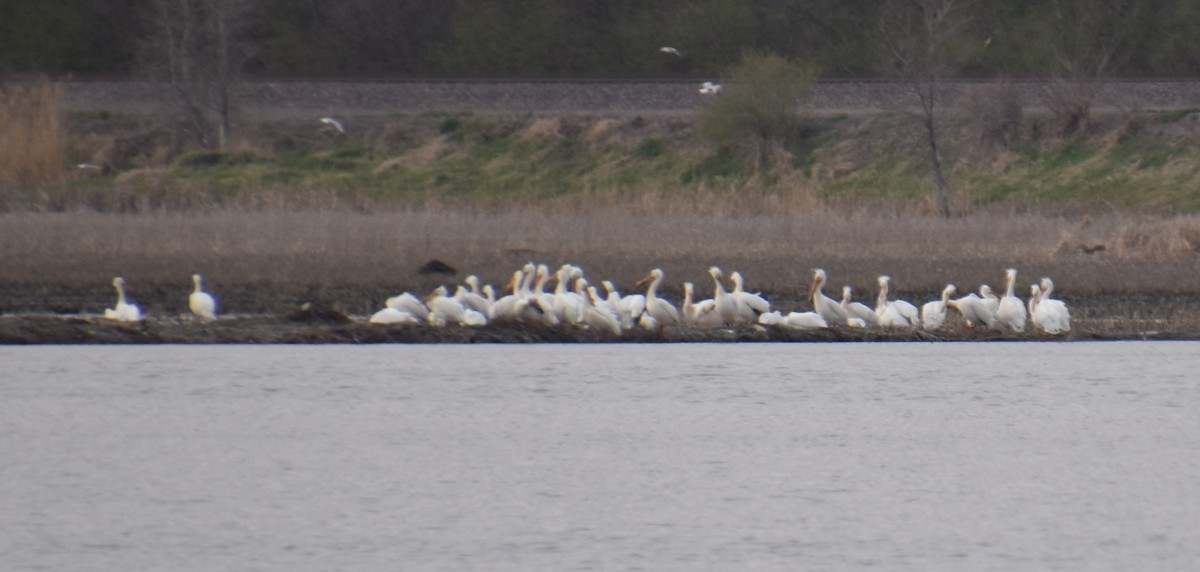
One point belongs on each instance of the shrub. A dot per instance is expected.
(759, 106)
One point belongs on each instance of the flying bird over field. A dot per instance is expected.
(670, 50)
(334, 124)
(710, 88)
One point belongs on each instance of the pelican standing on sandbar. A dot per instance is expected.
(201, 303)
(124, 311)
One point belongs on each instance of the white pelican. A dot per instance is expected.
(597, 315)
(568, 304)
(390, 315)
(794, 320)
(337, 125)
(506, 306)
(1011, 313)
(629, 308)
(471, 300)
(660, 311)
(933, 314)
(710, 88)
(894, 313)
(406, 302)
(444, 310)
(701, 314)
(857, 309)
(749, 304)
(974, 310)
(201, 304)
(989, 298)
(670, 50)
(1049, 314)
(124, 312)
(830, 310)
(726, 306)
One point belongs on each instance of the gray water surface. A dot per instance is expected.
(997, 456)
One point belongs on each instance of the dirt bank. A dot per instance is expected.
(46, 329)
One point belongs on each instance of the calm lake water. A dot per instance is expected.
(988, 456)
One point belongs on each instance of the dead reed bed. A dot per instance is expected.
(271, 261)
(32, 136)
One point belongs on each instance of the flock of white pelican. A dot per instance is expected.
(575, 302)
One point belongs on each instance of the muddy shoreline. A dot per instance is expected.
(35, 329)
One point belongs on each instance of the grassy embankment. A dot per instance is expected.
(617, 195)
(1135, 161)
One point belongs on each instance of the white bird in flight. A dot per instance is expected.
(670, 50)
(333, 123)
(710, 88)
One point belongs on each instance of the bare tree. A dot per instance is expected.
(925, 41)
(204, 47)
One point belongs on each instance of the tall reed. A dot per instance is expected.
(33, 138)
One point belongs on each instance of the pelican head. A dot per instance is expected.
(986, 291)
(439, 292)
(1047, 286)
(736, 278)
(846, 293)
(717, 275)
(608, 286)
(817, 282)
(118, 282)
(884, 280)
(949, 291)
(473, 282)
(655, 274)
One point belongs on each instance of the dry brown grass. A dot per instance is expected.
(32, 136)
(270, 261)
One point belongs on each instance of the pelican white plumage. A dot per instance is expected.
(670, 50)
(710, 88)
(334, 123)
(124, 311)
(390, 315)
(1011, 313)
(726, 306)
(470, 300)
(974, 311)
(933, 314)
(857, 309)
(793, 320)
(698, 314)
(444, 310)
(1049, 314)
(629, 308)
(201, 303)
(989, 298)
(409, 303)
(661, 312)
(749, 304)
(597, 315)
(506, 306)
(831, 311)
(894, 313)
(568, 305)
